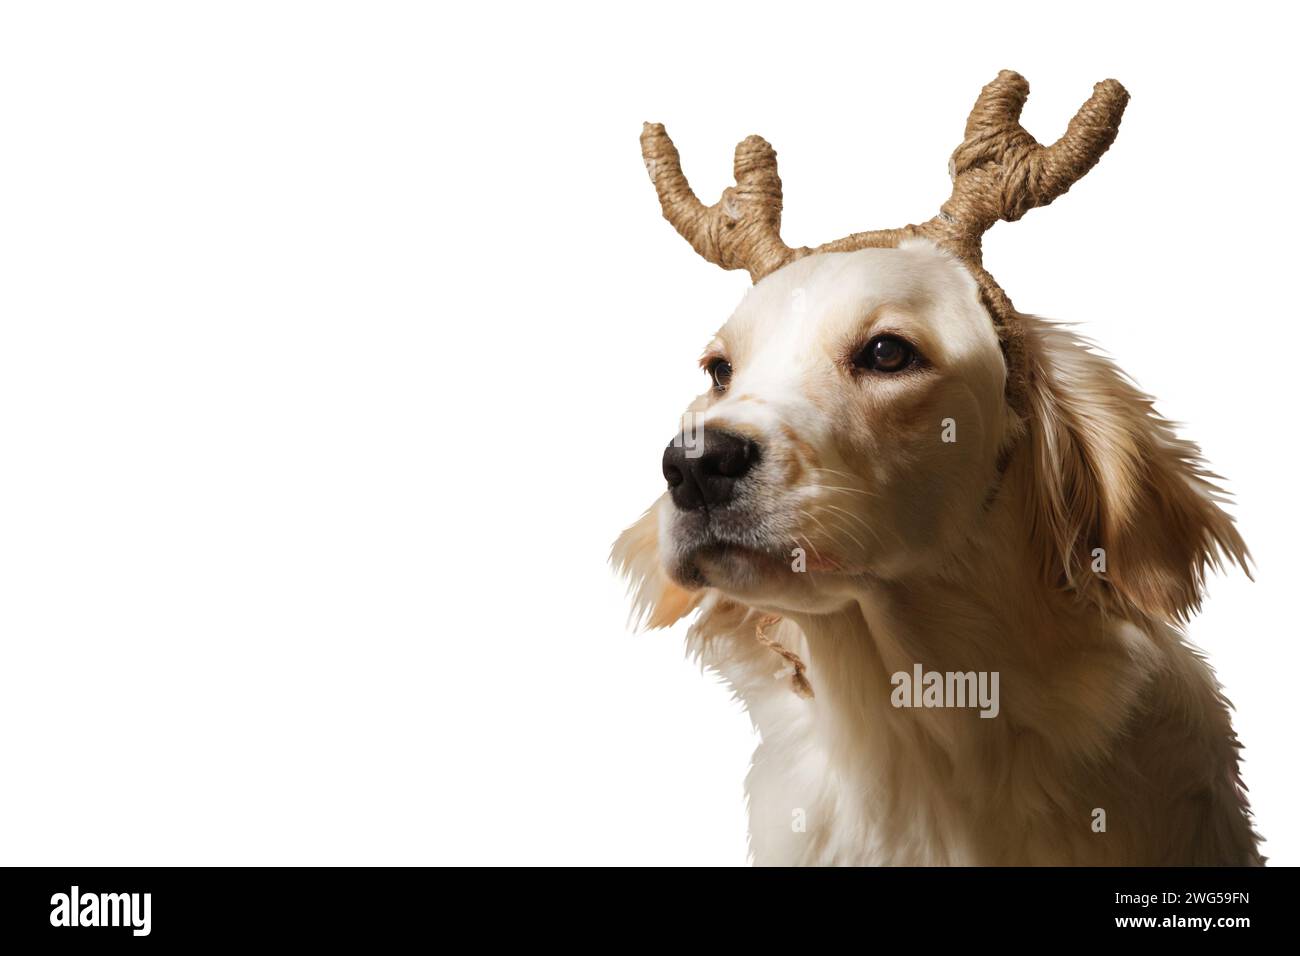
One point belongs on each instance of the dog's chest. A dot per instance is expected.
(816, 799)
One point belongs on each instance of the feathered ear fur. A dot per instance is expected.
(1106, 472)
(656, 600)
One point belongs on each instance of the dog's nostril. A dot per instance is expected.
(734, 461)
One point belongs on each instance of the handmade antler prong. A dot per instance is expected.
(664, 164)
(740, 231)
(999, 103)
(1089, 135)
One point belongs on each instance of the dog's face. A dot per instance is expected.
(852, 426)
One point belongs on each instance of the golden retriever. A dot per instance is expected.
(955, 624)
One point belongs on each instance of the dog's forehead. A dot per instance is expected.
(823, 298)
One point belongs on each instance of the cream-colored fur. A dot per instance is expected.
(978, 554)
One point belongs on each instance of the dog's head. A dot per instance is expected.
(851, 425)
(869, 401)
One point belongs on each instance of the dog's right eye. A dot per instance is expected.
(886, 353)
(720, 371)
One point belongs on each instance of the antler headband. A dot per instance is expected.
(998, 172)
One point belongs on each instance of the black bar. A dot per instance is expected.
(236, 905)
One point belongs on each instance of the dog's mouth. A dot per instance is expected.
(728, 562)
(736, 552)
(762, 541)
(723, 563)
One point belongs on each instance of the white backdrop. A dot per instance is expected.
(340, 341)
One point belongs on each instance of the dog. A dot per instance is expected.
(862, 506)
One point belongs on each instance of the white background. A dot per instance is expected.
(339, 341)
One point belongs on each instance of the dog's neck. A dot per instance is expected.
(986, 610)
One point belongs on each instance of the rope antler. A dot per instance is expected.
(1001, 172)
(742, 230)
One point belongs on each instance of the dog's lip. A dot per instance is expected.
(714, 563)
(772, 557)
(721, 563)
(715, 555)
(723, 547)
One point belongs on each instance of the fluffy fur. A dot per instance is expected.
(971, 555)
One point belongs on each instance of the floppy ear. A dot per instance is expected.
(1106, 472)
(656, 600)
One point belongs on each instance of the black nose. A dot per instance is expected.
(703, 468)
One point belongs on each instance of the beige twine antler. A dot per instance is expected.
(799, 679)
(1001, 172)
(742, 230)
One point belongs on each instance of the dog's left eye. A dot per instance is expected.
(720, 371)
(885, 353)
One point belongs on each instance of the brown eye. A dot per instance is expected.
(720, 372)
(885, 353)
